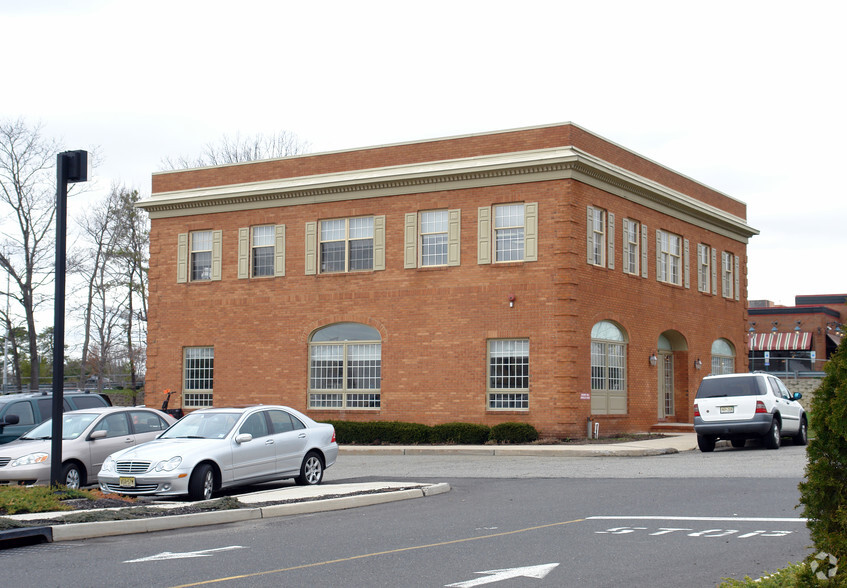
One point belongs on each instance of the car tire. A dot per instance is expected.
(201, 486)
(802, 436)
(311, 470)
(705, 443)
(773, 438)
(738, 443)
(73, 476)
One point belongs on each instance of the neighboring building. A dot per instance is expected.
(798, 338)
(543, 275)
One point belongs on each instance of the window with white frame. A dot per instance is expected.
(728, 279)
(704, 268)
(723, 357)
(347, 245)
(434, 225)
(631, 249)
(608, 369)
(345, 367)
(509, 232)
(597, 236)
(201, 255)
(262, 251)
(198, 376)
(508, 374)
(668, 258)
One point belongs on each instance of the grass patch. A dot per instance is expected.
(798, 575)
(33, 499)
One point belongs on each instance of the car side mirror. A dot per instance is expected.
(11, 419)
(797, 396)
(97, 435)
(243, 438)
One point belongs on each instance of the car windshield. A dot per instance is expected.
(740, 386)
(72, 426)
(202, 425)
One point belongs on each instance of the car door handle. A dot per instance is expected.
(302, 435)
(128, 440)
(269, 442)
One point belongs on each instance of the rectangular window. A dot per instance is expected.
(669, 258)
(597, 236)
(347, 245)
(728, 274)
(723, 365)
(631, 249)
(346, 375)
(508, 374)
(433, 237)
(198, 376)
(509, 232)
(201, 255)
(704, 269)
(262, 251)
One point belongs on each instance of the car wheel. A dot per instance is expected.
(802, 436)
(773, 437)
(202, 483)
(311, 471)
(738, 443)
(705, 443)
(72, 476)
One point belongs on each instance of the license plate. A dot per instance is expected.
(727, 409)
(127, 482)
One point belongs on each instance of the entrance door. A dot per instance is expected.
(666, 405)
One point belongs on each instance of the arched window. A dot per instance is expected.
(723, 357)
(345, 367)
(608, 369)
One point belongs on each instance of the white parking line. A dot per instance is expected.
(673, 518)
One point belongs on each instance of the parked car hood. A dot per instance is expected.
(167, 448)
(21, 447)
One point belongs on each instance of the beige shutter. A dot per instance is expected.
(686, 261)
(311, 248)
(217, 252)
(530, 231)
(182, 258)
(714, 272)
(454, 235)
(483, 235)
(379, 242)
(279, 250)
(737, 277)
(644, 251)
(610, 239)
(410, 241)
(243, 253)
(589, 233)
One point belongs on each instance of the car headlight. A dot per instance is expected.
(108, 465)
(168, 465)
(31, 459)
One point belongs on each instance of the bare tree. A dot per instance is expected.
(237, 150)
(27, 211)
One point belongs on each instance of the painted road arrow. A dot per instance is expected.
(187, 554)
(537, 572)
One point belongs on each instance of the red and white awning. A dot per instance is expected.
(793, 341)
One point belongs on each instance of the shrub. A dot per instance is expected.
(460, 433)
(513, 433)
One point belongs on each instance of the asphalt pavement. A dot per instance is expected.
(325, 497)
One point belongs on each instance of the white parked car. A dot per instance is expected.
(738, 407)
(215, 448)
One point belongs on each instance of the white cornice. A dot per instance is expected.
(489, 170)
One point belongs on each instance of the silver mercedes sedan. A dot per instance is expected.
(215, 448)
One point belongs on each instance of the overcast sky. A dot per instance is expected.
(746, 97)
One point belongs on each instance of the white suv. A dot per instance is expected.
(738, 407)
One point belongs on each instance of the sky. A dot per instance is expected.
(747, 97)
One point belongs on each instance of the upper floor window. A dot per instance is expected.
(261, 251)
(728, 274)
(631, 249)
(723, 357)
(432, 238)
(198, 376)
(704, 268)
(514, 233)
(508, 373)
(597, 236)
(668, 258)
(199, 256)
(345, 245)
(345, 367)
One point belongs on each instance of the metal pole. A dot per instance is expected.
(59, 321)
(6, 340)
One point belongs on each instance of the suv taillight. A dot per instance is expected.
(333, 436)
(760, 407)
(696, 410)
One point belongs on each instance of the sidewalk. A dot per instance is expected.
(325, 497)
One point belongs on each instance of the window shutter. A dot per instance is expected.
(531, 231)
(182, 258)
(454, 233)
(589, 234)
(659, 254)
(483, 235)
(714, 272)
(379, 242)
(217, 242)
(699, 273)
(610, 237)
(311, 248)
(410, 241)
(686, 259)
(643, 251)
(243, 253)
(625, 241)
(279, 250)
(737, 277)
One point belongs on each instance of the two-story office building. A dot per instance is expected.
(544, 275)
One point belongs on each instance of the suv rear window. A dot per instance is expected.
(740, 386)
(90, 401)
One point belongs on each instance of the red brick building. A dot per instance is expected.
(543, 275)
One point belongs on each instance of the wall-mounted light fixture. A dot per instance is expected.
(653, 359)
(774, 329)
(698, 364)
(752, 328)
(797, 328)
(512, 300)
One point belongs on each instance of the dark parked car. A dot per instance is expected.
(21, 412)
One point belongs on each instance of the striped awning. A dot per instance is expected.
(792, 341)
